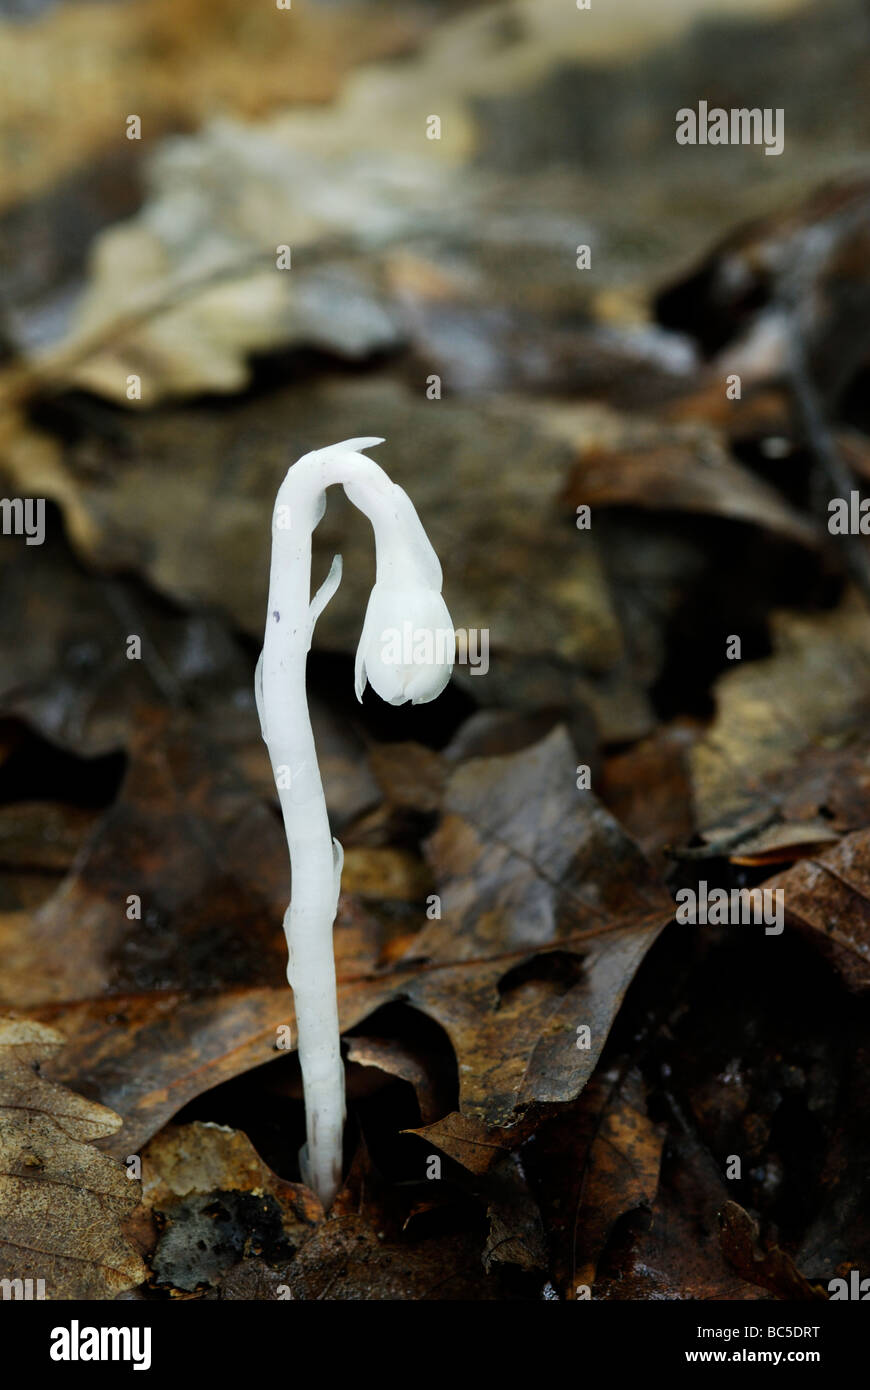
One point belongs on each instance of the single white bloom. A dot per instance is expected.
(407, 647)
(407, 594)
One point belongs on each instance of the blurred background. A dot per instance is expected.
(158, 374)
(420, 266)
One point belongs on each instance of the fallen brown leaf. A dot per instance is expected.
(590, 1164)
(399, 1060)
(681, 468)
(677, 1253)
(62, 1202)
(787, 736)
(828, 896)
(548, 910)
(772, 1269)
(621, 1172)
(648, 788)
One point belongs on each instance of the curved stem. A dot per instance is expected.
(314, 856)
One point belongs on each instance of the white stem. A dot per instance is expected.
(403, 554)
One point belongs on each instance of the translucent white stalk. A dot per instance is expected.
(407, 588)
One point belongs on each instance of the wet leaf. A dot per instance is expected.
(385, 873)
(364, 1250)
(470, 1142)
(73, 680)
(509, 1000)
(150, 1054)
(41, 835)
(351, 1259)
(784, 843)
(409, 775)
(838, 1236)
(735, 302)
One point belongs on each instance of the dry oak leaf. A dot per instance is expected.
(466, 1140)
(548, 910)
(62, 1202)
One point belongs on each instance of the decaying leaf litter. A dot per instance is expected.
(560, 1166)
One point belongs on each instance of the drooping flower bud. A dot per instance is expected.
(407, 647)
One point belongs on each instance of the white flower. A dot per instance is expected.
(406, 610)
(407, 647)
